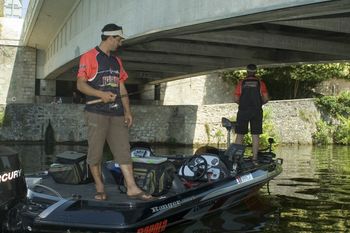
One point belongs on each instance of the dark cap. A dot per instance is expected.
(251, 68)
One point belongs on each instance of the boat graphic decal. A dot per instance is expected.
(166, 206)
(244, 178)
(154, 228)
(8, 176)
(237, 183)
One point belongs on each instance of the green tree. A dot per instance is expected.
(335, 105)
(296, 81)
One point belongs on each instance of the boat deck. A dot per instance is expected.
(85, 191)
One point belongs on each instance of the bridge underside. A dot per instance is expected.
(307, 34)
(311, 33)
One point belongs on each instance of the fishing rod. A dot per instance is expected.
(132, 93)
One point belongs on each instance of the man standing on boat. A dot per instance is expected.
(250, 94)
(101, 78)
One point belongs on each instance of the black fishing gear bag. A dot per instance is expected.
(155, 179)
(154, 175)
(70, 167)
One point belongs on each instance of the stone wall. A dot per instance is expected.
(199, 90)
(333, 86)
(293, 121)
(18, 64)
(17, 74)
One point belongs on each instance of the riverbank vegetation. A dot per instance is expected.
(335, 126)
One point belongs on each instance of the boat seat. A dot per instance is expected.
(177, 185)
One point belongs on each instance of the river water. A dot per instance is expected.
(312, 194)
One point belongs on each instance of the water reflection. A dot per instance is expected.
(311, 195)
(252, 215)
(313, 191)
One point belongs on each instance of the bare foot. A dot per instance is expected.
(142, 196)
(100, 196)
(136, 192)
(100, 188)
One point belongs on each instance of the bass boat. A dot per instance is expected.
(185, 188)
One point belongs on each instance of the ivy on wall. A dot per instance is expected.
(336, 128)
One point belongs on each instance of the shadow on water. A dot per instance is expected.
(252, 215)
(49, 141)
(311, 195)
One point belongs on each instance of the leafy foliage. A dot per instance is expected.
(296, 81)
(339, 108)
(219, 135)
(323, 134)
(335, 105)
(342, 133)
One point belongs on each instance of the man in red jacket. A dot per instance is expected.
(101, 78)
(250, 94)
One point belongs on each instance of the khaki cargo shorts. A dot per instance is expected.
(112, 129)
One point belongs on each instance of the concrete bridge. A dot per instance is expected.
(175, 39)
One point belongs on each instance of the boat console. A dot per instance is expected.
(204, 167)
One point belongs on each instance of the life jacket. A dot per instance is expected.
(250, 98)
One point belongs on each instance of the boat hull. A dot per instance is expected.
(155, 216)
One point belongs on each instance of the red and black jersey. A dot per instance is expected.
(250, 91)
(103, 72)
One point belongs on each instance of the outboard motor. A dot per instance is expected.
(13, 187)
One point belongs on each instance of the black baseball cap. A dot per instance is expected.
(251, 68)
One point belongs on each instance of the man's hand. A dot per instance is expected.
(107, 97)
(128, 119)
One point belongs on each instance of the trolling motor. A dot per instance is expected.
(271, 141)
(266, 155)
